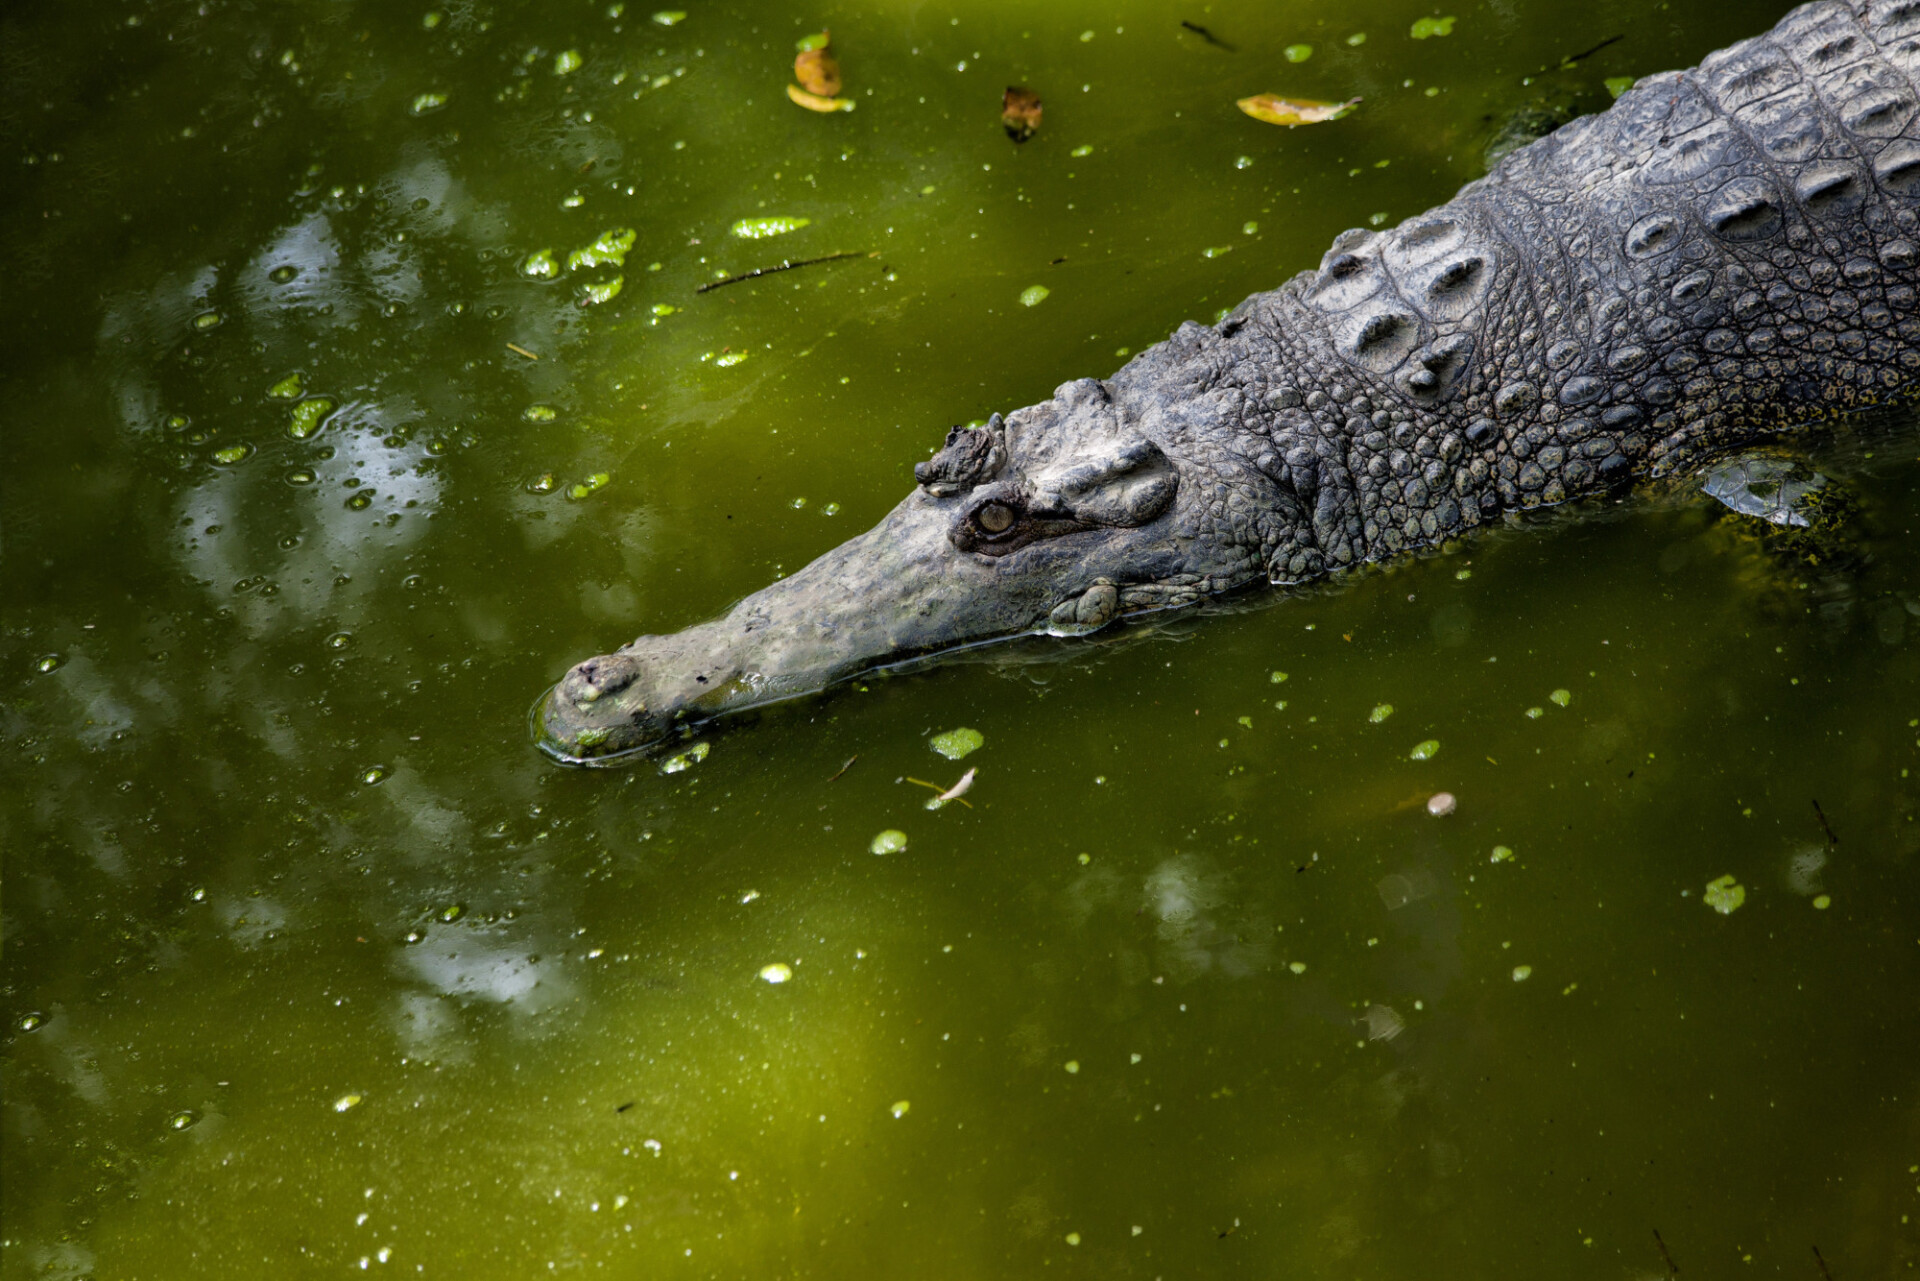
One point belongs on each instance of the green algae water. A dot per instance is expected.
(357, 381)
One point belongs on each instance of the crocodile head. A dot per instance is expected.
(1060, 518)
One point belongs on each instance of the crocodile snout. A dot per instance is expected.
(604, 674)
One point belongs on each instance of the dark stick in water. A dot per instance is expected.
(1823, 1264)
(787, 265)
(1673, 1269)
(1825, 826)
(1206, 35)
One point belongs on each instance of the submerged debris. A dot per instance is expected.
(1383, 1023)
(1725, 895)
(1020, 112)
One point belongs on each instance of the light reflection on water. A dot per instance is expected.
(1197, 987)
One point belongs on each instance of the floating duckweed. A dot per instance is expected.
(540, 265)
(891, 841)
(566, 62)
(1298, 52)
(956, 743)
(1357, 39)
(308, 416)
(1617, 85)
(539, 413)
(1249, 227)
(606, 291)
(1084, 149)
(182, 1120)
(431, 19)
(1216, 251)
(1502, 854)
(900, 1109)
(831, 509)
(1073, 1238)
(177, 422)
(1243, 162)
(1823, 902)
(728, 359)
(1521, 973)
(376, 774)
(232, 454)
(1725, 895)
(288, 388)
(545, 483)
(30, 1022)
(761, 228)
(346, 1102)
(1561, 696)
(48, 663)
(360, 501)
(611, 246)
(453, 912)
(1034, 295)
(1380, 713)
(687, 759)
(427, 103)
(664, 309)
(1072, 1066)
(339, 640)
(778, 972)
(1535, 713)
(208, 320)
(1425, 27)
(1085, 36)
(1298, 967)
(1246, 722)
(1277, 677)
(669, 17)
(581, 489)
(1424, 751)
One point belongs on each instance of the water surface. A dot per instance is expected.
(315, 473)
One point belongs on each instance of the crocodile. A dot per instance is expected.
(1724, 256)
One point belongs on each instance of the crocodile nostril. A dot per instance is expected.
(607, 674)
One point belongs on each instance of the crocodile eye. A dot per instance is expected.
(994, 518)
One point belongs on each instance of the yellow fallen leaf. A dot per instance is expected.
(814, 102)
(815, 67)
(1275, 110)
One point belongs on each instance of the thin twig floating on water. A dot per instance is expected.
(1588, 53)
(1825, 826)
(514, 346)
(786, 265)
(947, 793)
(1673, 1269)
(1823, 1264)
(844, 768)
(1206, 35)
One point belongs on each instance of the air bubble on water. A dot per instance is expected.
(281, 275)
(182, 1120)
(48, 663)
(375, 774)
(339, 640)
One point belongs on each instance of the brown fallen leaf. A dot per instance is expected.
(1275, 110)
(1020, 112)
(814, 102)
(815, 67)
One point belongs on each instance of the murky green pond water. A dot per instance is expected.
(314, 965)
